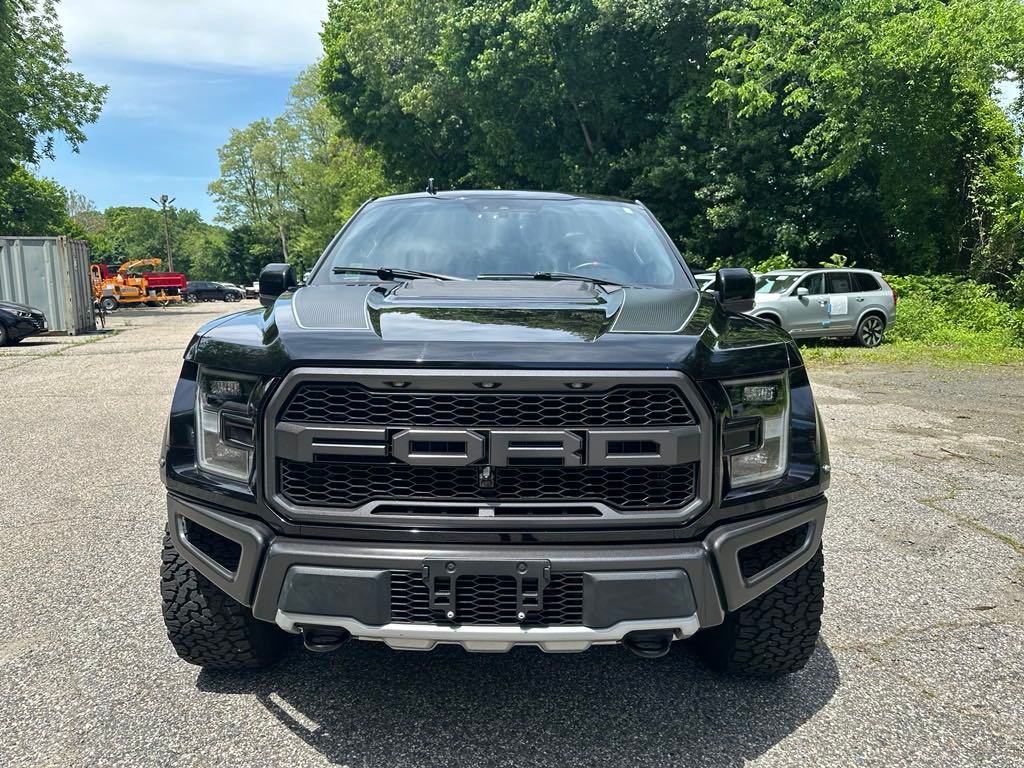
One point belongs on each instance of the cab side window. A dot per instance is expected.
(814, 284)
(840, 283)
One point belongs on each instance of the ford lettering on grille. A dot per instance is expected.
(468, 449)
(496, 448)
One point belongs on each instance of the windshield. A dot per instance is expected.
(775, 283)
(470, 237)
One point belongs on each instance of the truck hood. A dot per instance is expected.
(494, 324)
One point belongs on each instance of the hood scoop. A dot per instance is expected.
(498, 310)
(503, 293)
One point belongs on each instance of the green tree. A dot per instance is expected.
(298, 175)
(898, 93)
(750, 127)
(41, 98)
(125, 233)
(32, 206)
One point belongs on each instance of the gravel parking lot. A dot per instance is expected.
(921, 660)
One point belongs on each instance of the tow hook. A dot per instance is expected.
(649, 645)
(324, 639)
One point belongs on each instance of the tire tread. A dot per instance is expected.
(208, 628)
(776, 633)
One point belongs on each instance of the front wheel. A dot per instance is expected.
(774, 634)
(208, 628)
(5, 338)
(109, 303)
(871, 331)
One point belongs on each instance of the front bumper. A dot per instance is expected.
(23, 327)
(678, 588)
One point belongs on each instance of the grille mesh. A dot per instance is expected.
(486, 600)
(625, 406)
(349, 484)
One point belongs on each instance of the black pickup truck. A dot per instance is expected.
(496, 419)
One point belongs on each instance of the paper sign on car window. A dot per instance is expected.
(837, 305)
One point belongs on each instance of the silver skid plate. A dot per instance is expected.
(490, 639)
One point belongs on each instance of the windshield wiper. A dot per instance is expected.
(551, 276)
(392, 273)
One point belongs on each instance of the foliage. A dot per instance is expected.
(40, 97)
(947, 311)
(899, 93)
(779, 261)
(32, 206)
(837, 261)
(124, 233)
(750, 127)
(298, 175)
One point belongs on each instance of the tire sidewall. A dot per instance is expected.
(861, 327)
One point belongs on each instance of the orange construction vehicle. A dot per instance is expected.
(125, 287)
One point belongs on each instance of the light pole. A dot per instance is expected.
(164, 202)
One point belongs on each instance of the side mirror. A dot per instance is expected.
(735, 289)
(802, 292)
(275, 279)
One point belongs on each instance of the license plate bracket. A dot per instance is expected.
(442, 578)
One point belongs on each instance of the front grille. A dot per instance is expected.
(624, 406)
(486, 600)
(349, 484)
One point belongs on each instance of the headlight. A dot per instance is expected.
(225, 420)
(21, 313)
(757, 434)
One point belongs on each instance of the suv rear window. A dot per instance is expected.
(865, 282)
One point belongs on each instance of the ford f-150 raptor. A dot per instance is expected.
(495, 419)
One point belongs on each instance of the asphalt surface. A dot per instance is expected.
(921, 660)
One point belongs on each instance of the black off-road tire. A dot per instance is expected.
(208, 628)
(775, 634)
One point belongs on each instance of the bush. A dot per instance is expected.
(948, 311)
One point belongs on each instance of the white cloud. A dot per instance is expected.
(253, 34)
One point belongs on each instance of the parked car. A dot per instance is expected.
(814, 303)
(204, 290)
(18, 321)
(252, 291)
(555, 378)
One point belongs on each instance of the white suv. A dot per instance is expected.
(811, 303)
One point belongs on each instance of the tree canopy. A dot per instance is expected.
(296, 178)
(41, 100)
(41, 97)
(752, 128)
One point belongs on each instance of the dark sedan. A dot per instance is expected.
(18, 321)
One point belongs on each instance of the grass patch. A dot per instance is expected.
(839, 353)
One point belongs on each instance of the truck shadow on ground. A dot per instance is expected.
(369, 706)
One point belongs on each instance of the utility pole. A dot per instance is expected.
(164, 202)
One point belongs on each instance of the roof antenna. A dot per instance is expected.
(430, 186)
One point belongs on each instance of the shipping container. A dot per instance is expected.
(51, 274)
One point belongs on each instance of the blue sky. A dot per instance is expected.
(181, 75)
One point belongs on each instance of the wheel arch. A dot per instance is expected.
(880, 314)
(770, 315)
